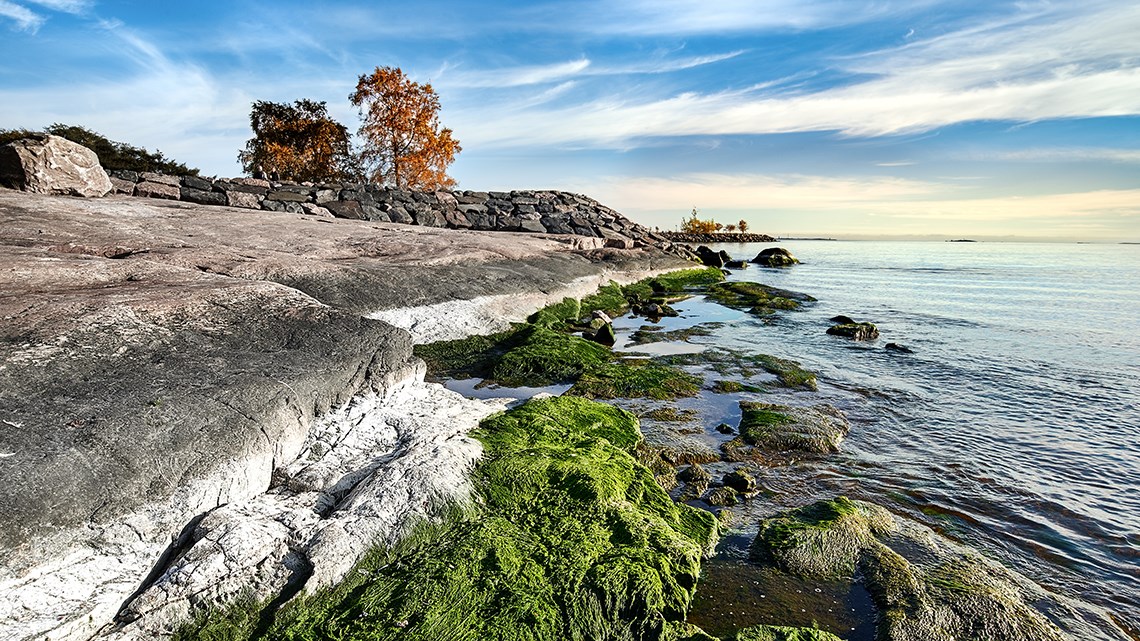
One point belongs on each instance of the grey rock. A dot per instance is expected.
(194, 182)
(530, 225)
(163, 179)
(149, 189)
(202, 197)
(855, 331)
(283, 206)
(775, 257)
(288, 196)
(346, 209)
(47, 164)
(767, 428)
(123, 186)
(243, 199)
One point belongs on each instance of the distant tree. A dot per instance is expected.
(694, 225)
(404, 145)
(742, 226)
(112, 155)
(730, 228)
(299, 141)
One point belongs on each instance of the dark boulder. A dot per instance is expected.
(775, 257)
(902, 349)
(741, 481)
(855, 331)
(842, 320)
(736, 264)
(709, 257)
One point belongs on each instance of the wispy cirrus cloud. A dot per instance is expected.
(26, 19)
(1036, 65)
(524, 75)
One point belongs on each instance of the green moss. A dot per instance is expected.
(466, 357)
(755, 298)
(734, 362)
(544, 357)
(609, 299)
(782, 531)
(766, 427)
(760, 421)
(571, 539)
(653, 333)
(686, 280)
(670, 414)
(557, 316)
(734, 387)
(781, 633)
(635, 380)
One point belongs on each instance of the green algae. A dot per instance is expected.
(734, 387)
(466, 357)
(654, 334)
(686, 280)
(734, 362)
(543, 356)
(557, 315)
(755, 298)
(767, 427)
(782, 633)
(635, 380)
(569, 538)
(609, 299)
(670, 414)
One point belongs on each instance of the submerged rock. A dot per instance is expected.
(842, 320)
(855, 331)
(766, 427)
(604, 336)
(722, 497)
(924, 587)
(902, 349)
(741, 481)
(783, 633)
(775, 257)
(755, 298)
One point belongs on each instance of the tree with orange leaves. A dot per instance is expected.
(298, 142)
(403, 144)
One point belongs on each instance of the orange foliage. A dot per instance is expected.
(403, 143)
(694, 225)
(742, 226)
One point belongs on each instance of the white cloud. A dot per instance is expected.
(26, 19)
(1062, 154)
(66, 6)
(1036, 67)
(541, 74)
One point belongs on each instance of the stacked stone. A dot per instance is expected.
(548, 212)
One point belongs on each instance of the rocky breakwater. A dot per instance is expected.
(531, 211)
(183, 391)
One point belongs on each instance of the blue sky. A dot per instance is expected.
(834, 118)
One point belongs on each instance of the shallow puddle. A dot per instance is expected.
(733, 594)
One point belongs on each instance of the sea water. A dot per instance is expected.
(1013, 425)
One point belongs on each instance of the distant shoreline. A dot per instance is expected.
(718, 237)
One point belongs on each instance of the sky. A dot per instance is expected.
(921, 118)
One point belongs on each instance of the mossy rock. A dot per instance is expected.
(473, 356)
(782, 633)
(741, 480)
(855, 331)
(755, 298)
(571, 539)
(653, 333)
(767, 427)
(609, 299)
(823, 539)
(722, 497)
(685, 280)
(923, 587)
(558, 315)
(543, 356)
(737, 363)
(635, 380)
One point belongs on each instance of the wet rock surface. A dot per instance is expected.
(923, 586)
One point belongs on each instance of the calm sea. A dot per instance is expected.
(1014, 426)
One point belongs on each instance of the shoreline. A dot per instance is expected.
(187, 351)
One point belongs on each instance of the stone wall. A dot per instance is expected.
(550, 212)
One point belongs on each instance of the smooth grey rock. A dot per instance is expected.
(150, 189)
(345, 209)
(775, 257)
(243, 199)
(194, 182)
(202, 197)
(47, 164)
(162, 179)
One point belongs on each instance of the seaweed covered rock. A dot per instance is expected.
(924, 587)
(635, 380)
(544, 356)
(557, 316)
(740, 480)
(855, 331)
(823, 539)
(756, 298)
(775, 257)
(767, 427)
(571, 538)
